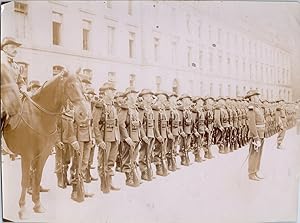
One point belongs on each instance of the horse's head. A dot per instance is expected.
(73, 91)
(53, 95)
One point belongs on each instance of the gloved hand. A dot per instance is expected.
(160, 139)
(197, 134)
(102, 145)
(170, 136)
(183, 134)
(146, 140)
(129, 141)
(75, 145)
(59, 145)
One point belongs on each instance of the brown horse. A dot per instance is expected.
(32, 132)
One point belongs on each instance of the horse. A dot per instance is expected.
(32, 132)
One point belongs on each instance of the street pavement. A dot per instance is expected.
(213, 191)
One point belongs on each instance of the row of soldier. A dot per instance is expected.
(135, 131)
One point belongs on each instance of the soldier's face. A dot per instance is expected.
(11, 49)
(109, 94)
(199, 104)
(173, 100)
(147, 98)
(132, 98)
(186, 102)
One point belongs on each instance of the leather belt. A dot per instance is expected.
(261, 126)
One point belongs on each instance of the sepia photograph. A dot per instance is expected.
(150, 111)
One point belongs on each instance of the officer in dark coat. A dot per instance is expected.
(256, 123)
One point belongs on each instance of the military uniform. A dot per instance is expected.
(65, 138)
(174, 128)
(281, 124)
(209, 123)
(221, 127)
(199, 128)
(107, 135)
(256, 122)
(148, 138)
(130, 131)
(186, 124)
(161, 135)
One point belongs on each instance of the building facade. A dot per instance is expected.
(170, 45)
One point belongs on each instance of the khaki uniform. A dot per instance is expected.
(147, 130)
(221, 126)
(209, 123)
(256, 122)
(281, 124)
(161, 135)
(186, 134)
(130, 127)
(174, 127)
(64, 151)
(201, 129)
(106, 129)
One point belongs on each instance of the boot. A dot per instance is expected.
(87, 176)
(169, 162)
(112, 187)
(135, 177)
(164, 168)
(129, 180)
(65, 175)
(159, 170)
(60, 180)
(226, 149)
(221, 149)
(172, 166)
(104, 185)
(184, 161)
(149, 173)
(198, 158)
(145, 175)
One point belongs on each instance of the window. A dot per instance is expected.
(56, 28)
(132, 80)
(175, 86)
(110, 38)
(209, 32)
(237, 91)
(201, 87)
(129, 7)
(85, 34)
(220, 58)
(131, 45)
(229, 90)
(158, 82)
(200, 58)
(211, 89)
(189, 56)
(188, 23)
(220, 90)
(174, 52)
(219, 35)
(109, 4)
(20, 7)
(210, 62)
(156, 49)
(199, 30)
(56, 33)
(112, 78)
(20, 24)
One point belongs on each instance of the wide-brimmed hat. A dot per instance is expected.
(90, 91)
(173, 94)
(9, 41)
(162, 93)
(130, 90)
(107, 86)
(145, 91)
(251, 93)
(184, 96)
(34, 84)
(119, 95)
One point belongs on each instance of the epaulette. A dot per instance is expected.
(250, 107)
(155, 107)
(99, 104)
